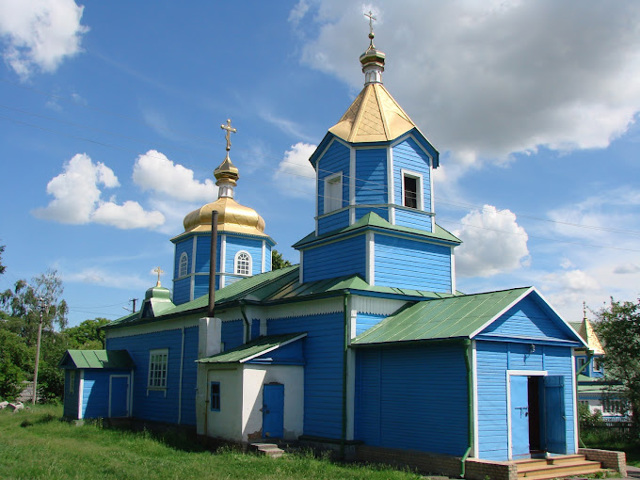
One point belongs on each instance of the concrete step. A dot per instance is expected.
(268, 449)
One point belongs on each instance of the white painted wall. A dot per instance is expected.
(227, 422)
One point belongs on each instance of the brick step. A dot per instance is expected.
(268, 449)
(536, 463)
(542, 472)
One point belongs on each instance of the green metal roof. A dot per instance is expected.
(113, 359)
(278, 286)
(373, 220)
(440, 319)
(253, 349)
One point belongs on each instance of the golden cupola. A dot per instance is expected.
(232, 217)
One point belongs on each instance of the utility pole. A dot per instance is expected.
(42, 303)
(133, 300)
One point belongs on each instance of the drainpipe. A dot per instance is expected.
(467, 361)
(247, 330)
(347, 337)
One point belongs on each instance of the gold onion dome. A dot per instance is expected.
(232, 217)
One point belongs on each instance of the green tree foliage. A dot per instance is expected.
(278, 261)
(619, 329)
(2, 267)
(88, 335)
(16, 363)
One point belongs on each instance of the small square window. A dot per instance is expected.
(158, 362)
(215, 396)
(412, 190)
(333, 193)
(72, 381)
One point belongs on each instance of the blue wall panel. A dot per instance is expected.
(162, 405)
(232, 334)
(526, 320)
(255, 328)
(323, 351)
(407, 263)
(371, 176)
(184, 246)
(70, 402)
(203, 253)
(95, 401)
(250, 245)
(335, 159)
(181, 290)
(344, 257)
(413, 219)
(201, 286)
(382, 211)
(364, 321)
(409, 156)
(333, 222)
(412, 397)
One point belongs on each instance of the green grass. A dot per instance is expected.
(38, 444)
(609, 439)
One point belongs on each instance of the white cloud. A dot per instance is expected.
(295, 173)
(489, 79)
(493, 243)
(40, 34)
(98, 276)
(154, 171)
(77, 200)
(626, 269)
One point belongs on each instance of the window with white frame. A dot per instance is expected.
(412, 190)
(333, 192)
(158, 363)
(183, 267)
(242, 263)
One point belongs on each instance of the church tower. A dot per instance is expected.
(243, 247)
(374, 202)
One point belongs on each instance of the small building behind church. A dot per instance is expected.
(366, 345)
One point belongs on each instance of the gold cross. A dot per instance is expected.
(159, 271)
(229, 130)
(371, 20)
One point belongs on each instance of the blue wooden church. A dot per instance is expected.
(365, 345)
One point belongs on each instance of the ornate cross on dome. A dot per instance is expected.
(159, 271)
(371, 20)
(229, 130)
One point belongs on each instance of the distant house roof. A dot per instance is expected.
(588, 334)
(456, 317)
(253, 349)
(91, 359)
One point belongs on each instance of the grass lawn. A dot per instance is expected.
(37, 444)
(608, 439)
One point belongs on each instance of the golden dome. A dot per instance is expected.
(232, 217)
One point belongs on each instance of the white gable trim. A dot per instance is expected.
(376, 305)
(352, 185)
(577, 335)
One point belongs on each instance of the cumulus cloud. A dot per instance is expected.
(154, 171)
(77, 198)
(99, 276)
(488, 79)
(295, 172)
(39, 34)
(493, 243)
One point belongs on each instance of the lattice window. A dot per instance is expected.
(158, 363)
(243, 263)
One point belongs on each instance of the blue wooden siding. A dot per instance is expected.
(493, 360)
(95, 395)
(255, 328)
(335, 159)
(405, 263)
(371, 176)
(203, 253)
(334, 221)
(70, 403)
(184, 246)
(232, 334)
(182, 290)
(413, 219)
(344, 257)
(528, 321)
(252, 246)
(409, 156)
(162, 405)
(364, 321)
(412, 397)
(201, 286)
(382, 211)
(289, 354)
(323, 350)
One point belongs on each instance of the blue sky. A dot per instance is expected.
(110, 118)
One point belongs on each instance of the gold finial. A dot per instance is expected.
(371, 20)
(229, 130)
(159, 271)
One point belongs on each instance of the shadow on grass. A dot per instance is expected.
(42, 420)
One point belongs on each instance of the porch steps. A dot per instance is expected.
(268, 449)
(556, 467)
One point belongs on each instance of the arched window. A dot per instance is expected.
(183, 267)
(242, 263)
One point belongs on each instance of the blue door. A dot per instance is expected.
(555, 419)
(118, 396)
(519, 417)
(273, 410)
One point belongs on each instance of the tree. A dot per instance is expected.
(2, 267)
(619, 329)
(278, 261)
(88, 335)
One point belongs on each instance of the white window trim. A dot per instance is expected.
(329, 202)
(419, 186)
(235, 263)
(163, 385)
(183, 261)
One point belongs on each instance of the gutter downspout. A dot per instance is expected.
(582, 369)
(347, 336)
(247, 324)
(467, 361)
